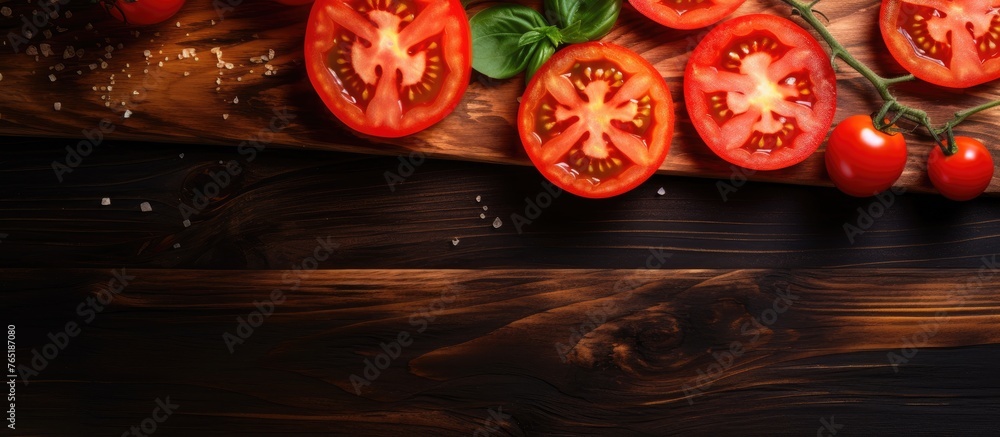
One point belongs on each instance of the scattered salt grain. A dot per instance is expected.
(236, 100)
(187, 223)
(106, 201)
(486, 208)
(661, 191)
(497, 223)
(479, 199)
(177, 245)
(69, 52)
(225, 116)
(482, 216)
(46, 50)
(144, 207)
(57, 106)
(181, 156)
(6, 11)
(31, 51)
(52, 77)
(128, 113)
(93, 66)
(69, 14)
(1, 76)
(454, 241)
(89, 26)
(178, 24)
(187, 73)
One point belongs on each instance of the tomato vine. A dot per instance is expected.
(882, 85)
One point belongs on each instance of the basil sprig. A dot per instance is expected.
(508, 38)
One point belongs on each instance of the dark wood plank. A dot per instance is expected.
(492, 341)
(254, 27)
(270, 215)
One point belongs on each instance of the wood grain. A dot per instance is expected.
(189, 109)
(492, 344)
(270, 214)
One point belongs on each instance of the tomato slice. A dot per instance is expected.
(596, 120)
(952, 43)
(761, 92)
(686, 14)
(389, 68)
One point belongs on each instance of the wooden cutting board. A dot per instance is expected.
(192, 100)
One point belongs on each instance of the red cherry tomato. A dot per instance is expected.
(861, 160)
(686, 14)
(761, 92)
(294, 2)
(964, 175)
(953, 43)
(596, 120)
(142, 12)
(389, 68)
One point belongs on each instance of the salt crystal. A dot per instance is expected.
(6, 11)
(52, 77)
(177, 245)
(178, 24)
(1, 76)
(106, 201)
(486, 208)
(144, 206)
(225, 116)
(46, 50)
(497, 223)
(479, 199)
(661, 191)
(239, 79)
(104, 65)
(146, 53)
(59, 67)
(57, 106)
(69, 14)
(128, 113)
(270, 53)
(89, 26)
(236, 100)
(93, 66)
(31, 51)
(482, 216)
(160, 64)
(229, 65)
(454, 241)
(187, 73)
(256, 60)
(181, 155)
(218, 81)
(187, 223)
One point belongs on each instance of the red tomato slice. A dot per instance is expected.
(761, 92)
(596, 120)
(389, 68)
(686, 14)
(952, 43)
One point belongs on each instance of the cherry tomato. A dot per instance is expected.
(761, 92)
(863, 161)
(952, 43)
(686, 14)
(389, 68)
(596, 120)
(294, 2)
(142, 12)
(964, 175)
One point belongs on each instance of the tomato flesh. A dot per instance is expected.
(389, 67)
(686, 14)
(596, 120)
(760, 100)
(949, 43)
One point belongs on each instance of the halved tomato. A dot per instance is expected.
(389, 68)
(596, 120)
(952, 43)
(761, 92)
(686, 14)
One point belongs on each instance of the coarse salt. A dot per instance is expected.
(145, 207)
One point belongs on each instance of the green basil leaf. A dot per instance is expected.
(540, 53)
(530, 37)
(496, 38)
(583, 20)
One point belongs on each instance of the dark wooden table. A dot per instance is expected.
(197, 290)
(305, 296)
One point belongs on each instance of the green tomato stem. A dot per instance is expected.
(882, 84)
